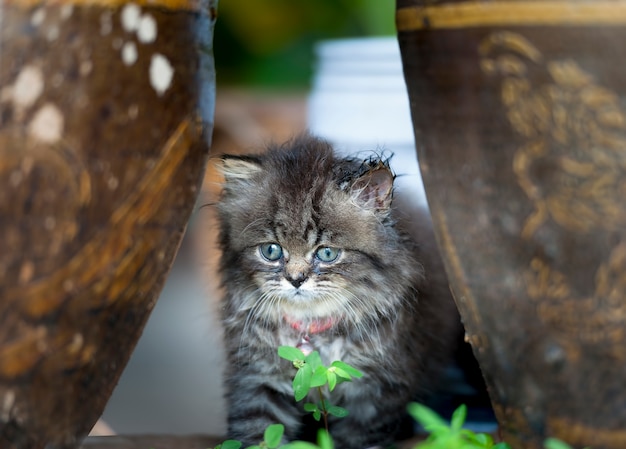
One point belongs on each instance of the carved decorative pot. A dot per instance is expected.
(106, 111)
(519, 110)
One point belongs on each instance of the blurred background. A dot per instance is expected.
(270, 43)
(266, 60)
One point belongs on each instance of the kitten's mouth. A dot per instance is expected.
(313, 326)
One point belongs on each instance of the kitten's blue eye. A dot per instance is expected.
(271, 251)
(327, 254)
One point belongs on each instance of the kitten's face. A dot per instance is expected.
(306, 246)
(304, 269)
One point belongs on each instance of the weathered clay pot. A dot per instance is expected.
(519, 110)
(105, 120)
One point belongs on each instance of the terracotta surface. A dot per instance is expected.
(105, 121)
(519, 112)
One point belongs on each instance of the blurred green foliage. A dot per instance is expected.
(270, 42)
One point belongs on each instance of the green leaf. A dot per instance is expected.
(324, 441)
(332, 379)
(481, 439)
(299, 445)
(256, 446)
(230, 444)
(554, 443)
(458, 418)
(313, 408)
(337, 411)
(342, 374)
(290, 353)
(302, 382)
(352, 371)
(273, 434)
(314, 360)
(319, 377)
(478, 440)
(502, 445)
(430, 420)
(310, 407)
(445, 441)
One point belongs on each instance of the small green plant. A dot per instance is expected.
(450, 436)
(311, 373)
(229, 444)
(324, 441)
(453, 436)
(553, 443)
(271, 439)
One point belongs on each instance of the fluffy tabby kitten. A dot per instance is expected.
(312, 257)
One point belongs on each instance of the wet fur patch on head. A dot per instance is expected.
(373, 188)
(373, 163)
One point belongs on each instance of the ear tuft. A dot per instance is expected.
(374, 189)
(239, 168)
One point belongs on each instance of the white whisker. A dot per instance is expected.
(252, 223)
(258, 313)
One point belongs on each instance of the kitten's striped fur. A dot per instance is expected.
(387, 321)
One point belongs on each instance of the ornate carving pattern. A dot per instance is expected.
(572, 166)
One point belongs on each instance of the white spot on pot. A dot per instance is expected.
(68, 285)
(27, 271)
(85, 67)
(130, 17)
(15, 178)
(77, 342)
(8, 401)
(28, 86)
(49, 223)
(106, 23)
(147, 31)
(161, 73)
(47, 124)
(38, 17)
(133, 111)
(113, 183)
(66, 11)
(129, 53)
(53, 33)
(41, 344)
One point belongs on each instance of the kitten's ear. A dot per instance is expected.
(239, 168)
(374, 189)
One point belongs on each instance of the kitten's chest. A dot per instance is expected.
(330, 347)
